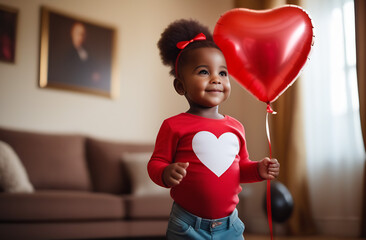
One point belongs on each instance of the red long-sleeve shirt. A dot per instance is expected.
(218, 162)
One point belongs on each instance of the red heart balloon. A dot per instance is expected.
(265, 50)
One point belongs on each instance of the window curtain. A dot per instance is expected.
(360, 17)
(335, 151)
(288, 141)
(289, 148)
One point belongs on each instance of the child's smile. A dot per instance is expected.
(204, 78)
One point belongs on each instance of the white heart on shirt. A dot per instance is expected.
(217, 154)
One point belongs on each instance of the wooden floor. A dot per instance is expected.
(257, 237)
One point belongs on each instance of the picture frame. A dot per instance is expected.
(77, 54)
(8, 33)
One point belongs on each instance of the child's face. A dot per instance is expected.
(204, 77)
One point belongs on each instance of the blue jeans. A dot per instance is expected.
(184, 225)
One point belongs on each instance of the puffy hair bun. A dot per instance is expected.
(180, 30)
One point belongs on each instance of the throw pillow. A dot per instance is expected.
(13, 176)
(136, 164)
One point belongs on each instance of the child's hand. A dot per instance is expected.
(174, 173)
(269, 169)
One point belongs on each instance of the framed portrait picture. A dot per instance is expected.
(77, 54)
(8, 29)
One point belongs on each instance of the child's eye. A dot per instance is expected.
(203, 71)
(223, 73)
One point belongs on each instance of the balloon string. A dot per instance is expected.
(269, 210)
(269, 207)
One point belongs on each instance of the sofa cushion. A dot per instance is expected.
(50, 205)
(52, 161)
(13, 177)
(108, 173)
(148, 207)
(136, 165)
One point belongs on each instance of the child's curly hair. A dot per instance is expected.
(182, 30)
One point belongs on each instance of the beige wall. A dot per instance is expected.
(146, 93)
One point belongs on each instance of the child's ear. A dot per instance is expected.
(178, 86)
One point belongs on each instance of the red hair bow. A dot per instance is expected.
(198, 37)
(183, 44)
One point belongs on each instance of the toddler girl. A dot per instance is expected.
(201, 154)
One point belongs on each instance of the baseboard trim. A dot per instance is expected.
(350, 227)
